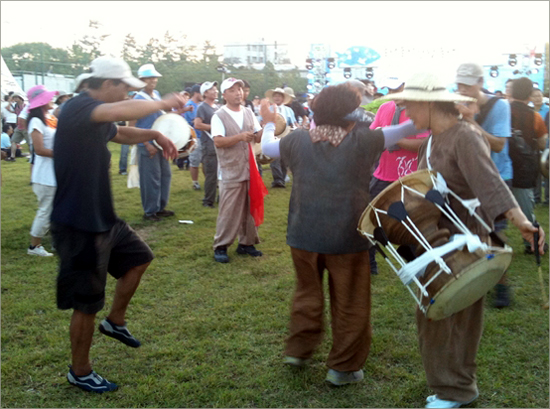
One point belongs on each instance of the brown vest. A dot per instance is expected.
(233, 161)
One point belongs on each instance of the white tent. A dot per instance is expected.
(8, 82)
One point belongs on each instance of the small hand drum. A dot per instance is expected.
(450, 272)
(174, 127)
(281, 130)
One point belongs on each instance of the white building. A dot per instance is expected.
(256, 54)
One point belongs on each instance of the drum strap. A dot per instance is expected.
(428, 153)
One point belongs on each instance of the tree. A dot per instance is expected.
(37, 57)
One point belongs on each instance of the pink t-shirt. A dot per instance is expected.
(401, 162)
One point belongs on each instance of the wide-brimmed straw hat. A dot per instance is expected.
(426, 87)
(269, 95)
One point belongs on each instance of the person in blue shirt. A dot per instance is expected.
(155, 174)
(7, 131)
(195, 156)
(542, 109)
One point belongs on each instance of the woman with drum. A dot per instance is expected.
(332, 168)
(458, 152)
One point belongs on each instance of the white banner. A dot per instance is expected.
(8, 82)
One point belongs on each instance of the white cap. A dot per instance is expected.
(229, 82)
(207, 85)
(78, 80)
(148, 71)
(114, 69)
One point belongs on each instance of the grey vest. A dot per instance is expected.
(233, 161)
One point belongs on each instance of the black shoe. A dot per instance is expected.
(119, 332)
(151, 217)
(220, 255)
(165, 213)
(278, 185)
(211, 206)
(502, 298)
(250, 250)
(10, 159)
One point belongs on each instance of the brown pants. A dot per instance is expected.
(349, 284)
(448, 348)
(234, 218)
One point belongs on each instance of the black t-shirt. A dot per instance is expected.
(83, 197)
(298, 109)
(205, 112)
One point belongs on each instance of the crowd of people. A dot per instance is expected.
(421, 126)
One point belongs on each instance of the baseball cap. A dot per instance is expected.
(469, 74)
(195, 89)
(114, 69)
(207, 85)
(229, 82)
(148, 71)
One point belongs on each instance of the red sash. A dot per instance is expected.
(257, 190)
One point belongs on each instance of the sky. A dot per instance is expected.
(478, 31)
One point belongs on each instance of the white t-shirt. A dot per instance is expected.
(217, 125)
(217, 128)
(43, 171)
(10, 117)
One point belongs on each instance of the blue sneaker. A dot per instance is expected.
(119, 332)
(91, 382)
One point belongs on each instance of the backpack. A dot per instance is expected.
(485, 109)
(522, 147)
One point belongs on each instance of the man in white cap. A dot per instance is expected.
(89, 238)
(233, 129)
(155, 174)
(492, 117)
(203, 120)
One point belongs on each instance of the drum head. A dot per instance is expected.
(471, 284)
(174, 127)
(419, 180)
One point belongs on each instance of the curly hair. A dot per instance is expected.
(333, 103)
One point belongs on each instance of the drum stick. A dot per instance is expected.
(537, 257)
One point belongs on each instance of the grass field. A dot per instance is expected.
(213, 334)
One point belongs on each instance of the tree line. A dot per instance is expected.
(180, 63)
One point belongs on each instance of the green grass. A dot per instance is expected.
(213, 334)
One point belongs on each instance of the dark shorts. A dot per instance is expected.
(85, 259)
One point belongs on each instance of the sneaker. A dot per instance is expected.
(39, 251)
(165, 213)
(287, 179)
(10, 159)
(434, 402)
(502, 297)
(296, 362)
(119, 332)
(220, 255)
(91, 382)
(250, 250)
(211, 206)
(338, 378)
(151, 217)
(123, 173)
(196, 186)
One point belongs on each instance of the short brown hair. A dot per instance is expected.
(333, 103)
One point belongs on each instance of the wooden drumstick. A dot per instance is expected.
(537, 257)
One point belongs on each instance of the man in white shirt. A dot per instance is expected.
(233, 129)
